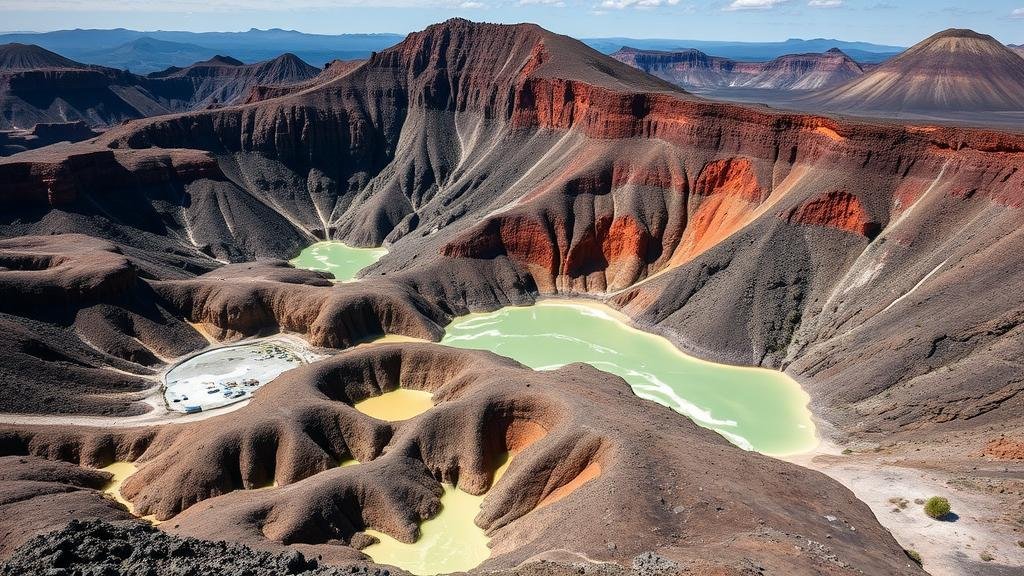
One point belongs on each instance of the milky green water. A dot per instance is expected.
(756, 409)
(338, 258)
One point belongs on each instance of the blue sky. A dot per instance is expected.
(901, 22)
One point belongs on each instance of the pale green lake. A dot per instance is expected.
(755, 408)
(338, 258)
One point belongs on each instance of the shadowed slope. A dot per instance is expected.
(38, 86)
(20, 57)
(221, 80)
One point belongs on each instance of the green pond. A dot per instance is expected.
(757, 409)
(338, 258)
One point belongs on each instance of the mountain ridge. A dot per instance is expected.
(955, 70)
(696, 70)
(501, 165)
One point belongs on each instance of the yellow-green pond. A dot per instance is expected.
(449, 542)
(755, 408)
(338, 258)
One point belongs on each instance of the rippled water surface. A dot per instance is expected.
(756, 409)
(338, 258)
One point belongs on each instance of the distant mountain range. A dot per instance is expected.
(864, 52)
(38, 86)
(147, 55)
(145, 52)
(697, 71)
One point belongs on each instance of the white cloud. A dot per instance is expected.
(753, 4)
(1018, 13)
(179, 6)
(825, 3)
(621, 4)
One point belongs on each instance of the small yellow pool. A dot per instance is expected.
(397, 405)
(121, 472)
(448, 542)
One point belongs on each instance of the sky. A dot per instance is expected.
(897, 22)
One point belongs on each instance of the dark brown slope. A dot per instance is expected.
(19, 57)
(695, 70)
(40, 496)
(504, 162)
(596, 472)
(543, 167)
(37, 86)
(952, 71)
(223, 80)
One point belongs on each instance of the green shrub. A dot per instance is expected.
(913, 555)
(937, 507)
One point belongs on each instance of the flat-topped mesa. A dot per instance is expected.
(696, 70)
(57, 179)
(959, 33)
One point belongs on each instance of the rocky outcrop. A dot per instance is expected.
(15, 141)
(41, 496)
(247, 300)
(836, 209)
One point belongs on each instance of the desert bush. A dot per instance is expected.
(913, 555)
(936, 507)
